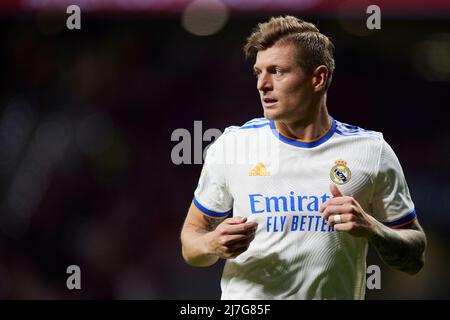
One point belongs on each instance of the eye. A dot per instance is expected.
(278, 71)
(256, 73)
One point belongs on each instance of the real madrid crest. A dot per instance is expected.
(340, 173)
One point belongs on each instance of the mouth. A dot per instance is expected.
(269, 102)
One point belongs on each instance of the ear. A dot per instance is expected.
(320, 77)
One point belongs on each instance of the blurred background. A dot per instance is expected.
(86, 119)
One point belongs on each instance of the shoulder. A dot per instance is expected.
(234, 136)
(368, 142)
(372, 142)
(249, 130)
(349, 130)
(249, 126)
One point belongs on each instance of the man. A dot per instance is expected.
(319, 192)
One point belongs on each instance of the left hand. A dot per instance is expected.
(353, 218)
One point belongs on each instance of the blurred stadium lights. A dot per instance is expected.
(271, 5)
(31, 151)
(133, 283)
(29, 183)
(95, 133)
(352, 16)
(90, 182)
(50, 24)
(389, 7)
(16, 124)
(431, 57)
(204, 17)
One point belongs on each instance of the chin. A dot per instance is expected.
(271, 115)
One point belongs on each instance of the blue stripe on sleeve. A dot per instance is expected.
(209, 212)
(406, 219)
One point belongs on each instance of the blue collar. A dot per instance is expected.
(304, 144)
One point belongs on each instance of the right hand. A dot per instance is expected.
(231, 237)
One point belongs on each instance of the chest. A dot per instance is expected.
(308, 173)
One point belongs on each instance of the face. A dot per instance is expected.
(286, 91)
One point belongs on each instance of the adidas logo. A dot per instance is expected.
(259, 170)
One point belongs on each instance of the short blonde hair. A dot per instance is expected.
(313, 47)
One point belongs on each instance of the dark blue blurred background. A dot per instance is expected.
(86, 118)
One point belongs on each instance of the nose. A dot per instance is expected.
(264, 83)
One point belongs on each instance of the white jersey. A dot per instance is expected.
(256, 172)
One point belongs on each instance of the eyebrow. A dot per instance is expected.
(255, 68)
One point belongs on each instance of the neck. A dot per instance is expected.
(312, 126)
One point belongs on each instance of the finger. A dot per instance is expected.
(346, 217)
(243, 228)
(335, 191)
(235, 220)
(336, 209)
(237, 253)
(331, 210)
(238, 246)
(344, 227)
(336, 201)
(231, 239)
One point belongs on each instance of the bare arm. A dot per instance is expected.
(205, 239)
(402, 249)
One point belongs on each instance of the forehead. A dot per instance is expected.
(280, 54)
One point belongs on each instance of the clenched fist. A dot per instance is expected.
(231, 237)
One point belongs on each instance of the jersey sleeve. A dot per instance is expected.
(391, 201)
(212, 196)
